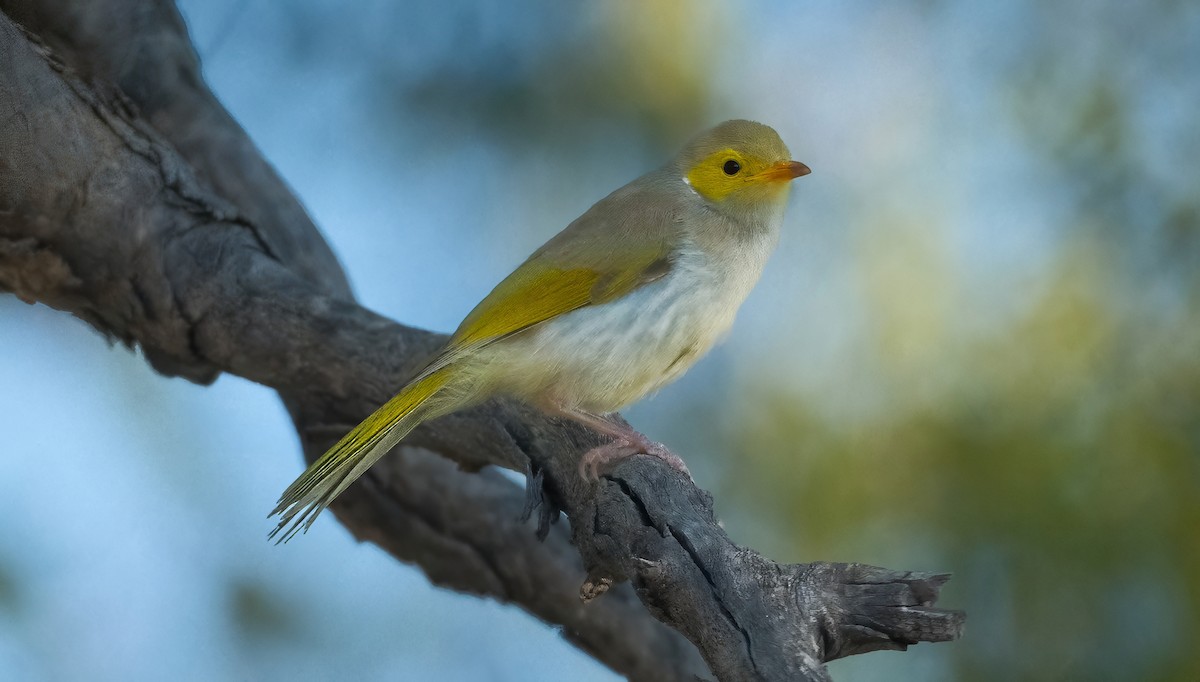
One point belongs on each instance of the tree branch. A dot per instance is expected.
(136, 203)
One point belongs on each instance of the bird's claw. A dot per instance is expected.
(603, 457)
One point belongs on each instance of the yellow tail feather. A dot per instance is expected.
(351, 456)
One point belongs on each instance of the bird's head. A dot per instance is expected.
(741, 168)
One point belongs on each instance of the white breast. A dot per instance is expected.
(601, 358)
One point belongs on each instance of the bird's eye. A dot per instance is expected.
(732, 167)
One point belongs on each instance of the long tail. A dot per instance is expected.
(351, 456)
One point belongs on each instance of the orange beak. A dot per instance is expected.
(785, 170)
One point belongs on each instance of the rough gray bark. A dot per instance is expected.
(131, 199)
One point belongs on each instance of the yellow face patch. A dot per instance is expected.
(725, 172)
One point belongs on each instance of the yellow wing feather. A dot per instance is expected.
(620, 244)
(530, 295)
(335, 470)
(536, 293)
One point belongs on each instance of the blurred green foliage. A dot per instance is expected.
(599, 68)
(1053, 462)
(541, 81)
(1055, 472)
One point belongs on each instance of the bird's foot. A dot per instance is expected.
(603, 457)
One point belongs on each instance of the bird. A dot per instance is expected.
(620, 303)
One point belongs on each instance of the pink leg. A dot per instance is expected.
(626, 443)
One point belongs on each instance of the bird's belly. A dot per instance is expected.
(604, 357)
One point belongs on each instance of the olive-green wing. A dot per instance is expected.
(537, 292)
(620, 244)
